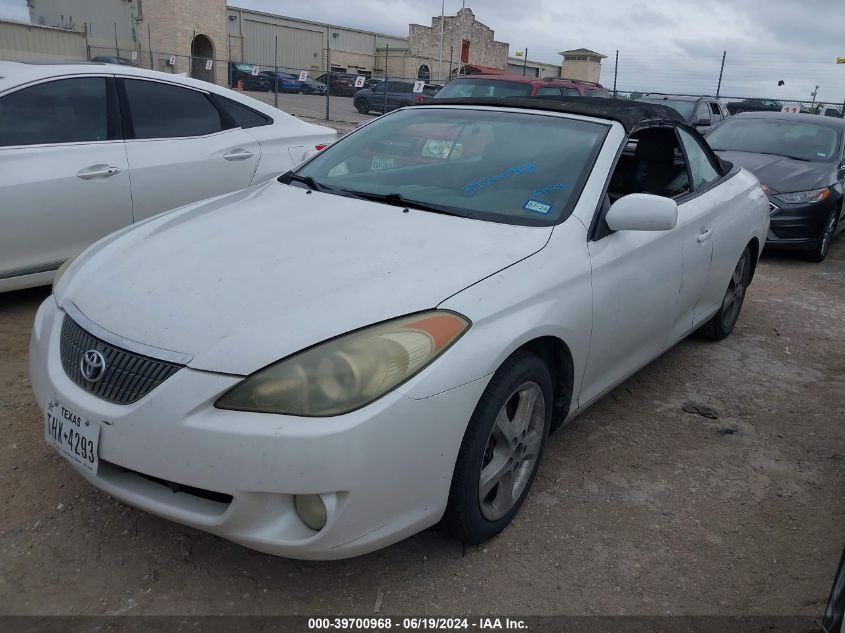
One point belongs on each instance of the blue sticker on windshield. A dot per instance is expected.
(547, 190)
(488, 181)
(537, 206)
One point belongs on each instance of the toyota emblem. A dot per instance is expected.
(92, 365)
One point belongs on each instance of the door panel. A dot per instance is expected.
(64, 180)
(167, 173)
(49, 213)
(636, 282)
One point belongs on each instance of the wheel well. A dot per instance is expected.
(754, 246)
(558, 359)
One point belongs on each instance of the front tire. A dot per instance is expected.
(501, 450)
(723, 322)
(820, 252)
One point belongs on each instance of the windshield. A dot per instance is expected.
(795, 139)
(483, 88)
(684, 108)
(507, 167)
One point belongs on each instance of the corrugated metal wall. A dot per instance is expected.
(298, 48)
(30, 43)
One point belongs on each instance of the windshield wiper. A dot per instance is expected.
(398, 200)
(806, 160)
(308, 181)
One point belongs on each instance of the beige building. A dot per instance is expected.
(581, 63)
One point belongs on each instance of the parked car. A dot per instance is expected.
(382, 338)
(109, 59)
(799, 159)
(75, 167)
(389, 95)
(242, 73)
(833, 620)
(701, 112)
(519, 86)
(312, 87)
(754, 105)
(342, 84)
(286, 82)
(832, 112)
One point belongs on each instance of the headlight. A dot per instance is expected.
(805, 197)
(61, 270)
(348, 372)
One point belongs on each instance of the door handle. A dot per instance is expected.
(238, 154)
(98, 171)
(704, 235)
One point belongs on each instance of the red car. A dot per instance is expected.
(519, 86)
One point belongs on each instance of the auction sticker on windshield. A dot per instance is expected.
(73, 435)
(381, 163)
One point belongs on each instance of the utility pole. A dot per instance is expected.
(525, 62)
(721, 71)
(813, 95)
(276, 74)
(386, 54)
(440, 58)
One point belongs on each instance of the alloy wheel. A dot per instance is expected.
(512, 451)
(827, 236)
(735, 294)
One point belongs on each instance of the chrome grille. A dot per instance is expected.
(128, 376)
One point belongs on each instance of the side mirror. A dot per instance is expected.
(642, 212)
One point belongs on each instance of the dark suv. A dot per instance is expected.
(519, 86)
(702, 113)
(391, 94)
(342, 84)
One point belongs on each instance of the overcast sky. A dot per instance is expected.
(664, 45)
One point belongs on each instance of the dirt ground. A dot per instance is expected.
(640, 507)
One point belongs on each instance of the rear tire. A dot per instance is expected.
(362, 105)
(501, 450)
(820, 252)
(723, 322)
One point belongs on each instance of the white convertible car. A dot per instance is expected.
(86, 149)
(382, 339)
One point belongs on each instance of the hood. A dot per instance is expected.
(245, 279)
(782, 174)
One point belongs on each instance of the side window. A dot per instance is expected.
(703, 171)
(702, 114)
(570, 92)
(652, 162)
(160, 110)
(62, 111)
(379, 87)
(548, 90)
(244, 116)
(716, 112)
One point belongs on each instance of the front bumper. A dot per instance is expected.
(798, 227)
(383, 471)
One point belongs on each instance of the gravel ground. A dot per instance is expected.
(640, 507)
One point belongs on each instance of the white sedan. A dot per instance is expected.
(86, 149)
(382, 339)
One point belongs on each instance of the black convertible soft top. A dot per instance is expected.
(631, 114)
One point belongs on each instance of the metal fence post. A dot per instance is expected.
(276, 74)
(386, 85)
(721, 71)
(150, 44)
(116, 47)
(328, 70)
(615, 73)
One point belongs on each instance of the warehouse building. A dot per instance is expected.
(201, 38)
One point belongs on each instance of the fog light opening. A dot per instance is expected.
(311, 510)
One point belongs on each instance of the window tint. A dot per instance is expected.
(63, 111)
(244, 116)
(484, 88)
(546, 90)
(165, 111)
(399, 86)
(703, 171)
(702, 113)
(379, 87)
(595, 92)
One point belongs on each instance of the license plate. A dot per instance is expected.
(73, 435)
